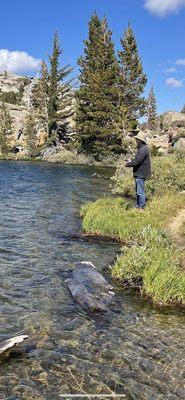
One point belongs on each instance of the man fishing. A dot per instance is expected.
(141, 169)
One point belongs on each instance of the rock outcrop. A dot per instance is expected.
(18, 114)
(42, 137)
(172, 119)
(11, 82)
(174, 125)
(161, 143)
(16, 91)
(172, 131)
(180, 145)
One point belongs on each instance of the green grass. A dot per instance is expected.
(113, 217)
(151, 262)
(105, 216)
(156, 266)
(164, 281)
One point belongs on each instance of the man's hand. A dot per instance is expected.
(127, 161)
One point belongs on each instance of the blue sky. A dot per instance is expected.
(159, 26)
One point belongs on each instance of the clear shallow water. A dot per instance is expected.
(136, 351)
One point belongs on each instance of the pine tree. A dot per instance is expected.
(53, 85)
(152, 118)
(31, 133)
(132, 81)
(97, 97)
(52, 96)
(6, 130)
(20, 93)
(59, 92)
(39, 99)
(183, 109)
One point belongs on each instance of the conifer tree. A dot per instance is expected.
(132, 81)
(20, 93)
(97, 96)
(152, 118)
(6, 129)
(40, 97)
(31, 133)
(52, 95)
(53, 85)
(183, 109)
(59, 91)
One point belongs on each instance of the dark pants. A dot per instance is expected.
(140, 192)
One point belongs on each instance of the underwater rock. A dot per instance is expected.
(89, 288)
(147, 365)
(8, 344)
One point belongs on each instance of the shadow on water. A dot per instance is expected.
(134, 350)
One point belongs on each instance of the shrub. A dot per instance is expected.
(9, 97)
(69, 157)
(130, 265)
(122, 180)
(168, 175)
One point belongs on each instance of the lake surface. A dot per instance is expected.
(136, 350)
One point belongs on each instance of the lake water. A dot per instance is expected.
(136, 350)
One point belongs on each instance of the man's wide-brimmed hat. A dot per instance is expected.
(141, 136)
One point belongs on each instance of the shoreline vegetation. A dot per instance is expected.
(67, 157)
(151, 260)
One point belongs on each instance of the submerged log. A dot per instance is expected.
(89, 288)
(10, 343)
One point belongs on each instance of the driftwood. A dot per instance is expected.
(89, 288)
(10, 343)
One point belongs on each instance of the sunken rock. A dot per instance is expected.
(147, 365)
(89, 288)
(10, 343)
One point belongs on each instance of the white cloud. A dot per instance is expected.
(170, 70)
(17, 61)
(174, 83)
(163, 7)
(180, 61)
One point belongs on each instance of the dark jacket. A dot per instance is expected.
(141, 163)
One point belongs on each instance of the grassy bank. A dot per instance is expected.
(18, 157)
(151, 261)
(114, 217)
